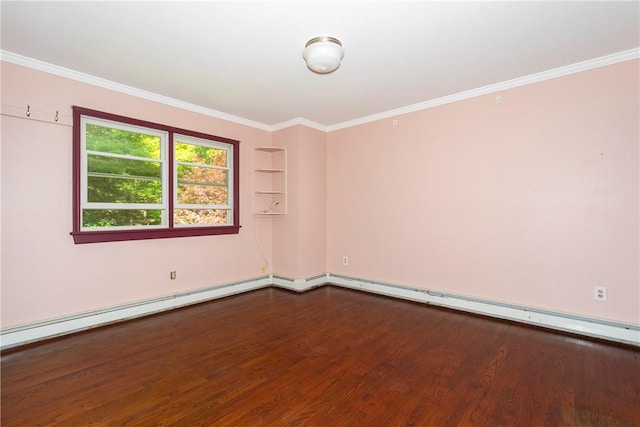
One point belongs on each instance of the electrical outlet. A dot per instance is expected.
(345, 260)
(173, 275)
(263, 268)
(600, 293)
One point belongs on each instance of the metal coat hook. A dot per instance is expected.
(56, 116)
(28, 110)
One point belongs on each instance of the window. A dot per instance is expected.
(139, 180)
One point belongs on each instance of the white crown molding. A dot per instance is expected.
(129, 90)
(485, 90)
(298, 121)
(615, 58)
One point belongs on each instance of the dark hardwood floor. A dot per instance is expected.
(327, 357)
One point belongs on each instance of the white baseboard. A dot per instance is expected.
(597, 328)
(25, 334)
(300, 285)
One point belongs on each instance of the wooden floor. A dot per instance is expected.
(327, 357)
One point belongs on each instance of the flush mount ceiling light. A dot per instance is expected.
(323, 54)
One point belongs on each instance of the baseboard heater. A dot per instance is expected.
(597, 328)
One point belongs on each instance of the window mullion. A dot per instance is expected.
(122, 206)
(196, 206)
(171, 183)
(203, 165)
(122, 156)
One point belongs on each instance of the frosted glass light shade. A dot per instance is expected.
(323, 54)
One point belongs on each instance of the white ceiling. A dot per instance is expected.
(245, 58)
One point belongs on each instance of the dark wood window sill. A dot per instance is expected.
(161, 233)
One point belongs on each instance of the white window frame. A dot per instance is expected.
(84, 168)
(229, 156)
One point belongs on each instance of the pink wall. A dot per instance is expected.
(299, 238)
(312, 202)
(44, 275)
(533, 201)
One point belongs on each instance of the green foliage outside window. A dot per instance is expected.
(124, 167)
(122, 180)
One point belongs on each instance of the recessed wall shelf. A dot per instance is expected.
(270, 181)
